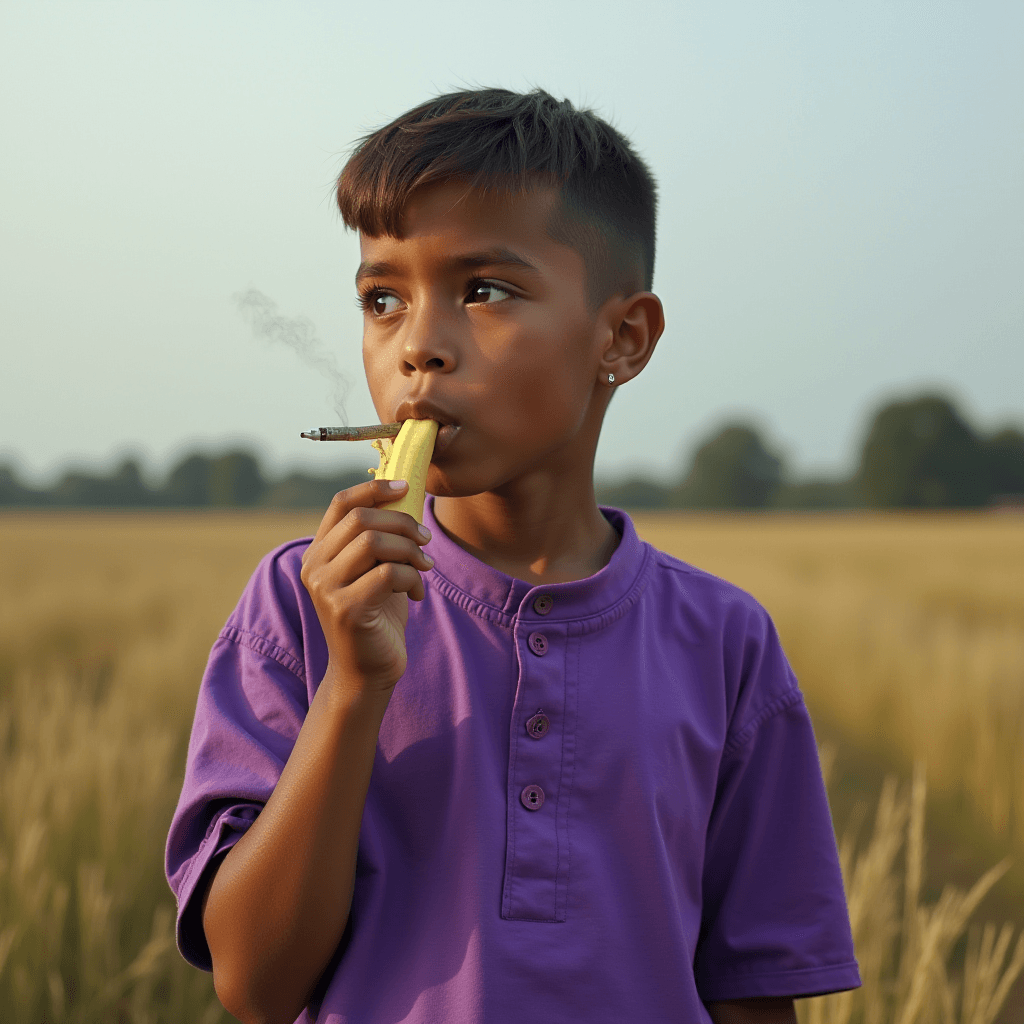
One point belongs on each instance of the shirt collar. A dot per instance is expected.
(489, 592)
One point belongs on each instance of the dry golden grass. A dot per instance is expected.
(906, 946)
(905, 632)
(105, 626)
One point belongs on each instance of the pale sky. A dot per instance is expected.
(841, 220)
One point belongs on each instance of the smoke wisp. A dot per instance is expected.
(299, 334)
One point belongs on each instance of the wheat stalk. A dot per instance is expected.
(919, 990)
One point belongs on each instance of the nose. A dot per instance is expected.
(428, 346)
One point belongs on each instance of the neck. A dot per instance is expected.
(532, 530)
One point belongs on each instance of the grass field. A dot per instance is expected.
(907, 634)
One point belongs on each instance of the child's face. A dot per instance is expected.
(476, 318)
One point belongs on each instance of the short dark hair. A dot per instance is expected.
(503, 140)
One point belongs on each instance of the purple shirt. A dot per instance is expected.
(598, 800)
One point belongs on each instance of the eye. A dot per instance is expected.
(382, 303)
(377, 302)
(485, 292)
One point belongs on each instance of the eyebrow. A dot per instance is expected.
(499, 257)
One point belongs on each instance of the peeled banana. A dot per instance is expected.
(407, 458)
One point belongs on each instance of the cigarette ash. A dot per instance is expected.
(299, 334)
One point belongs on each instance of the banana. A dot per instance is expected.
(407, 458)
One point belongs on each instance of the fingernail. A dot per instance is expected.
(424, 532)
(396, 485)
(427, 558)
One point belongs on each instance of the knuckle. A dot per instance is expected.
(396, 574)
(339, 608)
(369, 541)
(311, 580)
(357, 517)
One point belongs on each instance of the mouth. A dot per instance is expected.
(424, 409)
(445, 436)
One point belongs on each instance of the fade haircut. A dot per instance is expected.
(509, 142)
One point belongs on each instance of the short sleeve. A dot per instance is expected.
(249, 711)
(774, 920)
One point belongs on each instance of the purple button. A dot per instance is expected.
(532, 798)
(543, 604)
(538, 644)
(538, 725)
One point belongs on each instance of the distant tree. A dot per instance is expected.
(14, 493)
(733, 469)
(76, 489)
(235, 480)
(819, 494)
(300, 490)
(1004, 456)
(125, 488)
(188, 484)
(922, 454)
(635, 492)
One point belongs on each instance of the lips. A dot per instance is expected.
(422, 409)
(445, 436)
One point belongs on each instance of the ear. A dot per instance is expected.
(635, 323)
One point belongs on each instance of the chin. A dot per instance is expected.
(441, 485)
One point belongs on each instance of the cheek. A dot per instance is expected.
(540, 387)
(511, 379)
(377, 381)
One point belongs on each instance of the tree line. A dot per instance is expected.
(917, 454)
(232, 480)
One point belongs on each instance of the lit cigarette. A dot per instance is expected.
(353, 433)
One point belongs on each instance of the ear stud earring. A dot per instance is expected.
(611, 378)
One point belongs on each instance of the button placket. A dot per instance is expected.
(537, 848)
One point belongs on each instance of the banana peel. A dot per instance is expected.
(407, 457)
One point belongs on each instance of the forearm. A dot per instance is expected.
(279, 902)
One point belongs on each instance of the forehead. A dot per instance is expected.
(442, 219)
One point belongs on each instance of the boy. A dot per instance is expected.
(574, 780)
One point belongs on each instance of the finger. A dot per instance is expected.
(367, 495)
(373, 589)
(360, 520)
(363, 555)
